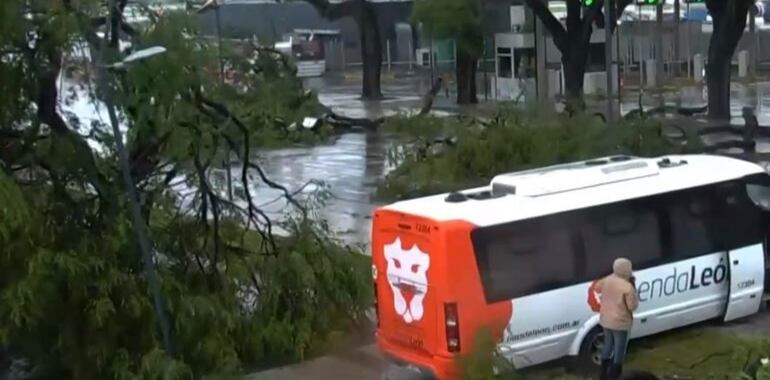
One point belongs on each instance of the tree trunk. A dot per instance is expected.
(574, 75)
(573, 40)
(371, 50)
(729, 21)
(718, 83)
(365, 17)
(718, 69)
(465, 70)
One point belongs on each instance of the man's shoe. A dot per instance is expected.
(615, 371)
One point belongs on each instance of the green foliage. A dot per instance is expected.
(310, 290)
(483, 362)
(459, 20)
(513, 140)
(752, 359)
(14, 211)
(75, 298)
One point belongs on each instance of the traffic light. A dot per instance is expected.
(588, 3)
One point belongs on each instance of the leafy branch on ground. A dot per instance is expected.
(436, 155)
(483, 362)
(239, 294)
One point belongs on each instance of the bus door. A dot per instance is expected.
(747, 260)
(747, 278)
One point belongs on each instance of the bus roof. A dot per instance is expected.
(549, 190)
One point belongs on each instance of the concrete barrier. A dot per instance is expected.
(697, 68)
(743, 64)
(650, 72)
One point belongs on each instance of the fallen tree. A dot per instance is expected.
(237, 292)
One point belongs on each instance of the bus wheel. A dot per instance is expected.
(589, 360)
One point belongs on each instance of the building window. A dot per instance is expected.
(504, 63)
(524, 62)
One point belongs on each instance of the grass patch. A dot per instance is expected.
(696, 353)
(700, 352)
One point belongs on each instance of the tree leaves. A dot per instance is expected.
(452, 19)
(14, 212)
(453, 154)
(75, 296)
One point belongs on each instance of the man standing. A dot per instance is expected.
(618, 302)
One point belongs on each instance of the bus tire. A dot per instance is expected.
(589, 359)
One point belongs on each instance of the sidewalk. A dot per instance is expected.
(367, 363)
(364, 363)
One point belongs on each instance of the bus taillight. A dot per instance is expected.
(452, 327)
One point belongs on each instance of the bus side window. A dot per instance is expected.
(690, 213)
(526, 257)
(712, 219)
(739, 220)
(628, 229)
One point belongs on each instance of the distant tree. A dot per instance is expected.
(729, 21)
(573, 39)
(362, 12)
(459, 20)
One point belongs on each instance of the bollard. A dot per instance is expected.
(697, 68)
(650, 71)
(554, 83)
(743, 64)
(750, 129)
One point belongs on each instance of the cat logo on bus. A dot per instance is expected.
(594, 298)
(407, 276)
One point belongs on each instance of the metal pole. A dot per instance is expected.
(753, 48)
(387, 52)
(540, 57)
(690, 72)
(486, 76)
(140, 228)
(659, 49)
(432, 63)
(228, 174)
(411, 50)
(617, 62)
(608, 60)
(676, 37)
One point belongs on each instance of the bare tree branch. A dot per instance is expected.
(540, 8)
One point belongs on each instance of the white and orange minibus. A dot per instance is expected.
(519, 257)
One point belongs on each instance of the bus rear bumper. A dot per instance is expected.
(428, 366)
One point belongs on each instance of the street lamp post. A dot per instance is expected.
(140, 228)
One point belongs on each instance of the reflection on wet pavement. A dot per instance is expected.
(756, 95)
(353, 163)
(350, 166)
